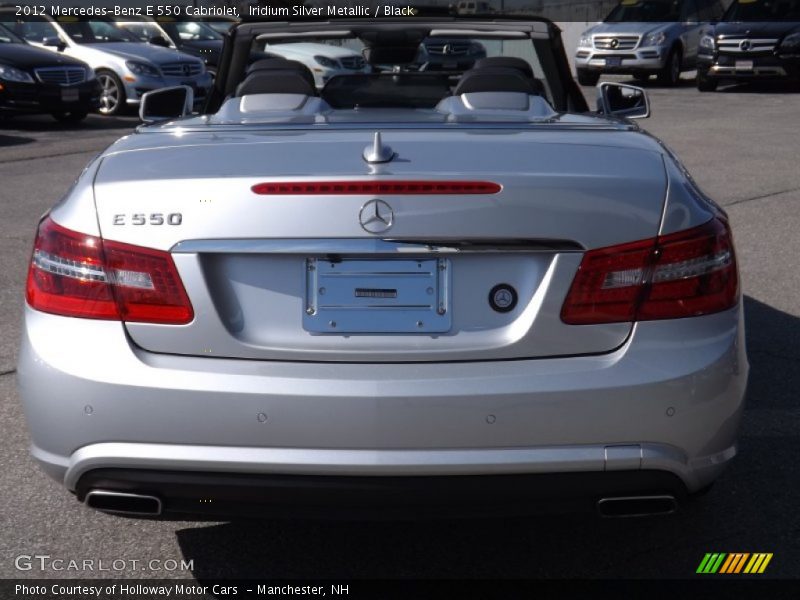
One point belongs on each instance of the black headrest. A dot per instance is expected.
(497, 80)
(505, 62)
(276, 82)
(395, 47)
(281, 64)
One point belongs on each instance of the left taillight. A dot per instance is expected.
(79, 275)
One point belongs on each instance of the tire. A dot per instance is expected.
(586, 77)
(705, 83)
(671, 73)
(71, 116)
(112, 99)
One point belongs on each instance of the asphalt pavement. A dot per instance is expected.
(741, 145)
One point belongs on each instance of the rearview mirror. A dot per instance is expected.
(166, 103)
(54, 42)
(159, 40)
(622, 100)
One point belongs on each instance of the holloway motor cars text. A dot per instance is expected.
(177, 590)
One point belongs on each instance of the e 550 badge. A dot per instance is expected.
(151, 219)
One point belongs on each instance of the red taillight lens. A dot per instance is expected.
(79, 275)
(684, 274)
(147, 286)
(396, 188)
(67, 275)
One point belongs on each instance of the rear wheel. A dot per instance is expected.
(705, 83)
(70, 116)
(112, 99)
(671, 73)
(586, 77)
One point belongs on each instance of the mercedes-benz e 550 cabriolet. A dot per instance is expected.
(395, 292)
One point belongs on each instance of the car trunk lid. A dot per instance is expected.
(299, 277)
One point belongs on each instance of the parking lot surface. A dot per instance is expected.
(741, 145)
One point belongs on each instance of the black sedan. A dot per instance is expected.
(33, 80)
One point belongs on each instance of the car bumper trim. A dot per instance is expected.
(357, 462)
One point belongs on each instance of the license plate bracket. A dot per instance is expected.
(367, 296)
(70, 95)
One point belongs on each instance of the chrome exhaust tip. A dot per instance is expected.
(637, 506)
(124, 503)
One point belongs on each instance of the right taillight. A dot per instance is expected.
(79, 275)
(684, 274)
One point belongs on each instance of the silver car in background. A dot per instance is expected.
(644, 38)
(125, 67)
(393, 293)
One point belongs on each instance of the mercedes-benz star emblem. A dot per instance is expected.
(614, 43)
(376, 216)
(744, 45)
(503, 298)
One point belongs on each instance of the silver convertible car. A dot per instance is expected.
(404, 291)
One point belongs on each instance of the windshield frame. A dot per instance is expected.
(124, 23)
(735, 6)
(211, 34)
(13, 37)
(622, 6)
(543, 34)
(66, 26)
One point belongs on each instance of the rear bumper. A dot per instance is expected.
(669, 399)
(210, 495)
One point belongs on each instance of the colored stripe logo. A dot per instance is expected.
(734, 563)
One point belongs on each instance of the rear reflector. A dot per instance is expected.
(333, 188)
(684, 274)
(79, 275)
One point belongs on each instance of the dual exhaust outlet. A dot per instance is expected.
(637, 506)
(124, 503)
(144, 505)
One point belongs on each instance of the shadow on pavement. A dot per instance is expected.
(652, 83)
(752, 508)
(39, 123)
(760, 87)
(751, 87)
(14, 140)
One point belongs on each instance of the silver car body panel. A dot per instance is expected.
(551, 182)
(680, 401)
(248, 387)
